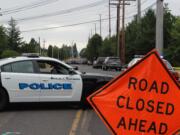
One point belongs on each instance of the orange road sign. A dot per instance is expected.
(144, 100)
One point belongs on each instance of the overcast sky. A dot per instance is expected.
(86, 11)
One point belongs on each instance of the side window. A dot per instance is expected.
(23, 67)
(45, 67)
(7, 68)
(50, 67)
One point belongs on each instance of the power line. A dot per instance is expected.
(69, 25)
(86, 22)
(143, 2)
(32, 3)
(62, 12)
(27, 7)
(144, 10)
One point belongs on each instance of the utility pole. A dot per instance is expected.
(100, 21)
(122, 45)
(109, 19)
(121, 35)
(118, 27)
(159, 26)
(139, 10)
(117, 3)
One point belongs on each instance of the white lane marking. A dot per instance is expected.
(11, 133)
(75, 122)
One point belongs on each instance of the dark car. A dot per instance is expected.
(112, 63)
(171, 69)
(167, 63)
(99, 62)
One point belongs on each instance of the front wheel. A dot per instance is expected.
(3, 99)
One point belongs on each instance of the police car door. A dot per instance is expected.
(18, 79)
(58, 82)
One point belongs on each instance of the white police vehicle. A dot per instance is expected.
(43, 79)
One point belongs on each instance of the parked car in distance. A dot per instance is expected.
(99, 62)
(167, 63)
(112, 63)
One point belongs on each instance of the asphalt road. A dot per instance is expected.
(52, 118)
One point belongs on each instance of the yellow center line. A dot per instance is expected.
(75, 122)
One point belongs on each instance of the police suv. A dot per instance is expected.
(32, 78)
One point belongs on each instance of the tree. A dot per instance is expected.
(3, 39)
(66, 52)
(140, 37)
(75, 51)
(14, 39)
(50, 51)
(108, 47)
(55, 52)
(9, 53)
(172, 52)
(83, 53)
(169, 21)
(93, 47)
(31, 47)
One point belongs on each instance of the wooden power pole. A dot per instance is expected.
(121, 33)
(122, 45)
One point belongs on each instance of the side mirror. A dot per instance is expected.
(71, 72)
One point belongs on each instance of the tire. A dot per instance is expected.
(3, 99)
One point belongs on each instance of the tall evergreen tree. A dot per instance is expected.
(75, 51)
(50, 51)
(31, 47)
(93, 47)
(14, 39)
(3, 39)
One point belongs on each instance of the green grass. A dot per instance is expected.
(177, 68)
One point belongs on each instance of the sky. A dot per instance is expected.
(68, 13)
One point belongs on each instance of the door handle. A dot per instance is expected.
(7, 78)
(45, 80)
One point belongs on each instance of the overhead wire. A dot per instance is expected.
(85, 22)
(27, 7)
(70, 25)
(62, 12)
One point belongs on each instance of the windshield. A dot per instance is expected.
(114, 60)
(134, 61)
